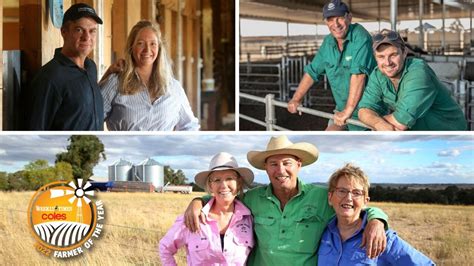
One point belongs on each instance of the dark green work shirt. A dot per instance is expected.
(421, 102)
(356, 58)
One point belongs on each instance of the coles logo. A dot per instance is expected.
(64, 219)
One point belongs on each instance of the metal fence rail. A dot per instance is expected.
(270, 117)
(281, 80)
(465, 99)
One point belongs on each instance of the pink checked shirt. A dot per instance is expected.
(204, 248)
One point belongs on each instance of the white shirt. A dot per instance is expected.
(136, 112)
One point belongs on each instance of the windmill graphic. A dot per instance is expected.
(62, 215)
(79, 193)
(70, 231)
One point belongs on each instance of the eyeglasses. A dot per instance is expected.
(356, 193)
(219, 180)
(391, 35)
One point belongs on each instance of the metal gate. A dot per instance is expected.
(261, 78)
(280, 79)
(293, 71)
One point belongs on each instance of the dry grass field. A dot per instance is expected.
(136, 221)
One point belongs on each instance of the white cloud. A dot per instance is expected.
(405, 151)
(449, 153)
(448, 166)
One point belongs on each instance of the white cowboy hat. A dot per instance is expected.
(306, 152)
(224, 161)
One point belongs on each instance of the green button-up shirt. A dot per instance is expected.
(356, 58)
(291, 236)
(421, 102)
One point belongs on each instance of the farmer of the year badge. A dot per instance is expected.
(64, 219)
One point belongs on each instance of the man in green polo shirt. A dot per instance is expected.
(404, 93)
(290, 216)
(347, 60)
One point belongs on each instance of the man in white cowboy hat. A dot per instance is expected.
(290, 216)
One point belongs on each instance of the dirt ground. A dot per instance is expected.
(305, 122)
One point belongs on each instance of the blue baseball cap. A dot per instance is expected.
(335, 8)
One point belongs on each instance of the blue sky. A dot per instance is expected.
(386, 158)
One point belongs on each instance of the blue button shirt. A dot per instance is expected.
(332, 251)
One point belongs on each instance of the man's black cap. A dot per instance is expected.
(80, 10)
(335, 8)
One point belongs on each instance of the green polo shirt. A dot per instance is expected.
(421, 102)
(356, 58)
(291, 236)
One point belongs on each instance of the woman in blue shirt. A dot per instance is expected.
(340, 244)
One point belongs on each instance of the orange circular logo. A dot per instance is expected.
(64, 219)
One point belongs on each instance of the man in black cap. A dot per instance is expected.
(64, 94)
(405, 93)
(346, 58)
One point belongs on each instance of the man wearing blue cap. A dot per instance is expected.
(346, 58)
(64, 94)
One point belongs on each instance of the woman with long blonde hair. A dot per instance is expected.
(145, 96)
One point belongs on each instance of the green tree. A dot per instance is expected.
(174, 177)
(63, 171)
(83, 153)
(39, 173)
(37, 165)
(37, 178)
(4, 181)
(18, 181)
(451, 194)
(35, 175)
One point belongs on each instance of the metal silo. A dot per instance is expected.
(151, 171)
(111, 172)
(121, 170)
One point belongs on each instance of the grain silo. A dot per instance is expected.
(121, 170)
(151, 171)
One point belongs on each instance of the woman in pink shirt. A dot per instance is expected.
(227, 238)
